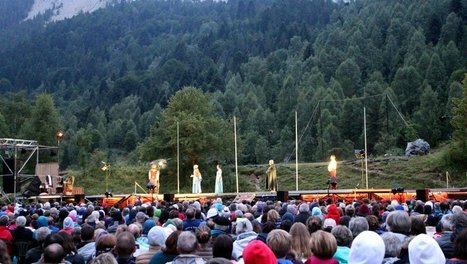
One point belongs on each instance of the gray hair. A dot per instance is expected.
(343, 235)
(178, 223)
(350, 210)
(304, 208)
(446, 222)
(187, 242)
(21, 221)
(42, 233)
(399, 222)
(392, 244)
(358, 225)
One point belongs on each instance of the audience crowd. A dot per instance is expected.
(257, 232)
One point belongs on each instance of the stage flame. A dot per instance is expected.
(332, 167)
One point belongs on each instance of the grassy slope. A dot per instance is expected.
(410, 173)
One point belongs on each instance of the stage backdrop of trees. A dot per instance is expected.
(118, 80)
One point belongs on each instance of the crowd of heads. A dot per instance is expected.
(217, 231)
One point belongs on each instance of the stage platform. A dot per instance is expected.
(347, 195)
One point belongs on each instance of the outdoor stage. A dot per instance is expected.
(347, 195)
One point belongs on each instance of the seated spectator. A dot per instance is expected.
(418, 225)
(367, 248)
(392, 246)
(399, 222)
(71, 254)
(53, 253)
(244, 234)
(191, 223)
(125, 247)
(373, 224)
(424, 249)
(328, 224)
(444, 240)
(267, 227)
(333, 213)
(105, 258)
(5, 233)
(300, 241)
(34, 254)
(186, 247)
(303, 213)
(314, 223)
(87, 246)
(460, 249)
(156, 239)
(357, 225)
(169, 252)
(344, 238)
(258, 252)
(323, 246)
(203, 236)
(68, 225)
(4, 256)
(105, 243)
(21, 234)
(222, 247)
(280, 242)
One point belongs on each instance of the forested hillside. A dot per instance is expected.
(111, 75)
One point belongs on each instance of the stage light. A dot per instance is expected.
(107, 194)
(60, 135)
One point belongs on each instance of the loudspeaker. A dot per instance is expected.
(169, 197)
(8, 178)
(422, 195)
(282, 196)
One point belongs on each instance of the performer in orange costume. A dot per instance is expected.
(153, 176)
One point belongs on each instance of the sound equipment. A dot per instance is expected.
(33, 188)
(422, 195)
(282, 196)
(169, 197)
(9, 178)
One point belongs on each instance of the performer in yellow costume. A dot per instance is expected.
(196, 179)
(271, 182)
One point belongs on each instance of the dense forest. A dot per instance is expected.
(118, 80)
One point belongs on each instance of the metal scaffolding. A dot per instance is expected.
(9, 148)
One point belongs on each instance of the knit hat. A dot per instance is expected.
(288, 216)
(425, 250)
(258, 252)
(367, 248)
(211, 213)
(42, 221)
(148, 224)
(364, 210)
(157, 236)
(68, 223)
(329, 222)
(222, 221)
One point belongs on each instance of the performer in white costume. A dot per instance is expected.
(196, 179)
(219, 186)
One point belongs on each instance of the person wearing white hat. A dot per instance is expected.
(424, 250)
(367, 248)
